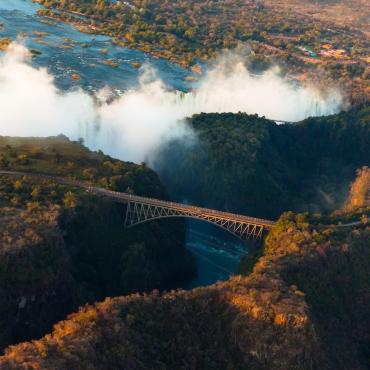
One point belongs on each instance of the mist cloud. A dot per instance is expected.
(132, 126)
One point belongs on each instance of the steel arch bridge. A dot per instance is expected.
(142, 209)
(242, 227)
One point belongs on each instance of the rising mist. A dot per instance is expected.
(134, 125)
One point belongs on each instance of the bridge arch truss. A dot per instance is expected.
(138, 213)
(142, 209)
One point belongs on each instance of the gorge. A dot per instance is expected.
(229, 106)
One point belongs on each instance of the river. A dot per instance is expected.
(218, 253)
(66, 52)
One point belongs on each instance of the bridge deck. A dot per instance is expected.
(130, 198)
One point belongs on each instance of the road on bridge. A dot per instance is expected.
(126, 198)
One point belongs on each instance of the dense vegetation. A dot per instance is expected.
(36, 285)
(189, 32)
(61, 247)
(251, 165)
(304, 306)
(301, 302)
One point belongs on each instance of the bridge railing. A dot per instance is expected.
(180, 206)
(145, 200)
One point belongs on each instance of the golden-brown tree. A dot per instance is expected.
(359, 195)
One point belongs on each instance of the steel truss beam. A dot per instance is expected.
(138, 213)
(142, 209)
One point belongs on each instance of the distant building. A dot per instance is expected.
(307, 51)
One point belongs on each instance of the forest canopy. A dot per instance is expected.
(244, 163)
(191, 32)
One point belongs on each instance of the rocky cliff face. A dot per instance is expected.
(61, 248)
(37, 288)
(302, 307)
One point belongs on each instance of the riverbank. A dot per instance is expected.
(81, 23)
(81, 54)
